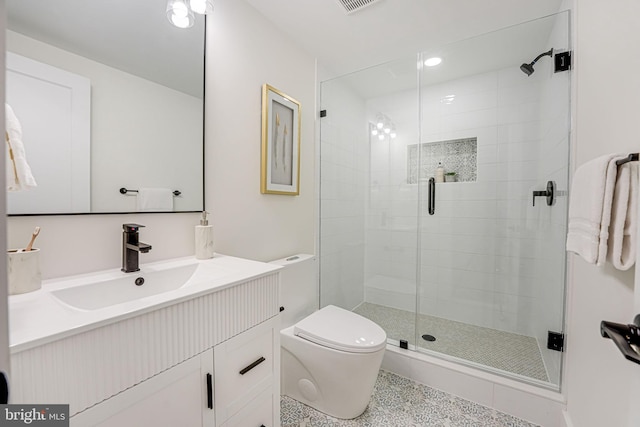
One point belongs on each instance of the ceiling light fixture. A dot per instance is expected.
(180, 12)
(432, 62)
(201, 7)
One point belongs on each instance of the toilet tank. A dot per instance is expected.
(298, 287)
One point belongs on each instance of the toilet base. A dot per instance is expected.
(334, 382)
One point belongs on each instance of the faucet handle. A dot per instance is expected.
(131, 228)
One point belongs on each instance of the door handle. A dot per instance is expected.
(209, 392)
(623, 336)
(432, 196)
(253, 365)
(4, 389)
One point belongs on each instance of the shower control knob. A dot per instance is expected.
(549, 193)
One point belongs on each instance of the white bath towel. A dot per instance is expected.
(624, 218)
(590, 208)
(19, 176)
(154, 200)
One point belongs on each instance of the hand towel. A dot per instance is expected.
(624, 218)
(19, 176)
(590, 208)
(154, 200)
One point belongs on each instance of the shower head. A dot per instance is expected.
(528, 68)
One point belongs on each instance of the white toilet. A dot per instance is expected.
(330, 357)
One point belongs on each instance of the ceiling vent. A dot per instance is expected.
(352, 6)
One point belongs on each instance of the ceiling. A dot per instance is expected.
(396, 30)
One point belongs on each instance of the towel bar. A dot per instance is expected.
(633, 157)
(125, 191)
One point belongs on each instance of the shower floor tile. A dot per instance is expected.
(400, 402)
(518, 354)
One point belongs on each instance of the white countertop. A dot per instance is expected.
(37, 317)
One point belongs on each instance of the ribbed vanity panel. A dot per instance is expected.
(85, 369)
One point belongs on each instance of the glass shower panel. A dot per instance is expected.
(368, 210)
(492, 265)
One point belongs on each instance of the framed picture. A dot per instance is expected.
(280, 143)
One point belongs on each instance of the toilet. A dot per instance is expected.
(330, 357)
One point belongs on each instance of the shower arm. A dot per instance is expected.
(549, 53)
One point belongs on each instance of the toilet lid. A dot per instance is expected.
(342, 330)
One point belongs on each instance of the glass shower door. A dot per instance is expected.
(492, 265)
(368, 222)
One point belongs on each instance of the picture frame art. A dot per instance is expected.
(280, 161)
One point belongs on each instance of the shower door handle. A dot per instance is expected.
(432, 196)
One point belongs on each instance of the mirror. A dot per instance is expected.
(109, 96)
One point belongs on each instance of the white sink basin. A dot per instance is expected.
(105, 293)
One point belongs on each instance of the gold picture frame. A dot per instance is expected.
(280, 162)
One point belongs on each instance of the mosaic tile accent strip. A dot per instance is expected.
(518, 354)
(401, 402)
(456, 155)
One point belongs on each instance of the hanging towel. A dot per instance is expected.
(624, 218)
(154, 200)
(590, 208)
(19, 176)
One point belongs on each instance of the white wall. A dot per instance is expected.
(136, 124)
(607, 109)
(344, 154)
(75, 244)
(244, 51)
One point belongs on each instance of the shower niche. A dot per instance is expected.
(484, 277)
(458, 157)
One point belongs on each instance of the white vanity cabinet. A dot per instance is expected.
(149, 366)
(235, 384)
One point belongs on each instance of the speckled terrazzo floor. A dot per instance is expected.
(509, 352)
(400, 402)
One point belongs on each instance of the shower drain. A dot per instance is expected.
(428, 337)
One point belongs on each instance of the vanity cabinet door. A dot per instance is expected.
(247, 367)
(175, 397)
(258, 413)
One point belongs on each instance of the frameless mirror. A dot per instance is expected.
(109, 96)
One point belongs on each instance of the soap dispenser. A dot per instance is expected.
(439, 173)
(204, 238)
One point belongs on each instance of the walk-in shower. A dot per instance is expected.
(427, 176)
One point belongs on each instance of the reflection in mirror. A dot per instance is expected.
(109, 95)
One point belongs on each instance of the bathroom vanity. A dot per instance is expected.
(203, 350)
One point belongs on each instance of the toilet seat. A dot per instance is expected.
(341, 330)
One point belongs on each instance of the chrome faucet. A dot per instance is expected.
(131, 246)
